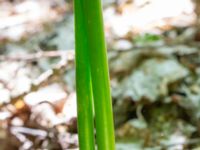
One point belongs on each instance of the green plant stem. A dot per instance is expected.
(83, 83)
(92, 12)
(91, 60)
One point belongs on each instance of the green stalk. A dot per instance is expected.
(83, 83)
(91, 60)
(92, 12)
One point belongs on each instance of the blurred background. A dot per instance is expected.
(154, 57)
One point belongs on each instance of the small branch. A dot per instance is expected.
(60, 53)
(28, 131)
(38, 55)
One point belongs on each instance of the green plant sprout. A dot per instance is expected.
(92, 78)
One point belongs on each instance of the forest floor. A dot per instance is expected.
(154, 62)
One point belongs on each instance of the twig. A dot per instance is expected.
(28, 131)
(60, 53)
(38, 55)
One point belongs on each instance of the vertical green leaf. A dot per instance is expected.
(83, 82)
(99, 72)
(91, 62)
